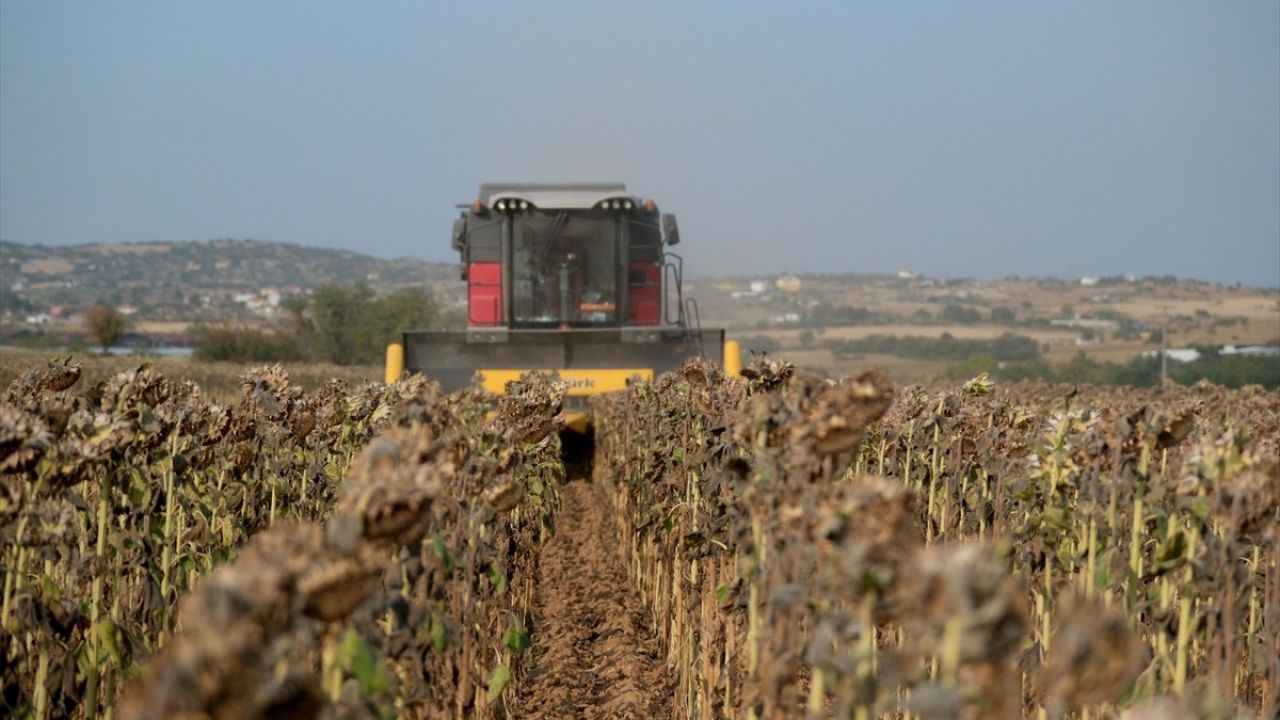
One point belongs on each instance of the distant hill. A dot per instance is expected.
(164, 279)
(208, 264)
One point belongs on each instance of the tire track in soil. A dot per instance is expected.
(594, 652)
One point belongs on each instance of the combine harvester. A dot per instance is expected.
(572, 278)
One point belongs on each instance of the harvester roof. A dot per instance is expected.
(555, 196)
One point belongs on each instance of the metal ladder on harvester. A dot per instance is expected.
(687, 317)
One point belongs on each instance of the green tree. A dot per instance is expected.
(11, 301)
(410, 308)
(228, 343)
(1002, 315)
(973, 367)
(1080, 369)
(336, 320)
(349, 325)
(1230, 370)
(954, 313)
(105, 324)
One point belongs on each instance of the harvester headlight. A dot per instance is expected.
(501, 205)
(626, 204)
(524, 205)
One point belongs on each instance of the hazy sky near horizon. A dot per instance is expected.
(977, 139)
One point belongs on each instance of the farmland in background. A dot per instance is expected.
(177, 292)
(1113, 320)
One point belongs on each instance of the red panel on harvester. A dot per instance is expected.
(644, 304)
(484, 294)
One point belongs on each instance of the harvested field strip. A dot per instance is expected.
(594, 653)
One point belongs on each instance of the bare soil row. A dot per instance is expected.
(594, 654)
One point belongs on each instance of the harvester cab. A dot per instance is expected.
(577, 279)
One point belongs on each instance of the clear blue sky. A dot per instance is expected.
(977, 139)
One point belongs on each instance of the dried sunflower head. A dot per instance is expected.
(24, 439)
(530, 408)
(268, 391)
(56, 376)
(129, 391)
(967, 585)
(1094, 657)
(766, 375)
(61, 374)
(390, 487)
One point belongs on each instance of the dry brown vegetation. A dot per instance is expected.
(218, 381)
(1022, 551)
(770, 546)
(396, 591)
